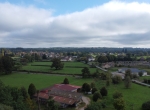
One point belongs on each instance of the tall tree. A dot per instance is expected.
(102, 59)
(31, 90)
(7, 64)
(57, 64)
(85, 72)
(24, 92)
(127, 82)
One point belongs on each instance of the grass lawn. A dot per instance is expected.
(113, 69)
(39, 80)
(66, 69)
(135, 96)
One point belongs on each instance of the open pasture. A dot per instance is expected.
(39, 80)
(134, 97)
(69, 67)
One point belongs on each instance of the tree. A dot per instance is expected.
(24, 93)
(94, 90)
(84, 86)
(102, 59)
(87, 88)
(146, 105)
(96, 73)
(119, 104)
(51, 105)
(12, 96)
(57, 64)
(5, 107)
(31, 90)
(116, 79)
(117, 95)
(96, 96)
(92, 84)
(128, 73)
(30, 104)
(85, 72)
(108, 80)
(44, 56)
(103, 91)
(7, 64)
(127, 82)
(66, 81)
(140, 73)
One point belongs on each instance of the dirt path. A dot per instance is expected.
(86, 100)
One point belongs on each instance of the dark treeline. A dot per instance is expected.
(81, 49)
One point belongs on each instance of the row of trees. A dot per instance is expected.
(17, 98)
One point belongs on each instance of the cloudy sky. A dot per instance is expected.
(75, 23)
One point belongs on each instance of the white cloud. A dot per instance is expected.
(113, 24)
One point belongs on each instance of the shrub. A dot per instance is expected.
(146, 105)
(103, 91)
(96, 96)
(116, 79)
(119, 104)
(117, 95)
(94, 90)
(66, 81)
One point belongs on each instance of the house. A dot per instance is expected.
(64, 94)
(91, 59)
(133, 71)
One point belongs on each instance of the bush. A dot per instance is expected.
(117, 95)
(146, 105)
(96, 96)
(66, 81)
(103, 91)
(119, 104)
(116, 79)
(94, 90)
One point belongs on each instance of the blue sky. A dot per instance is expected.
(59, 6)
(74, 23)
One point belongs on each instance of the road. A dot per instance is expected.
(86, 100)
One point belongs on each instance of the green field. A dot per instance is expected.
(135, 96)
(69, 67)
(39, 80)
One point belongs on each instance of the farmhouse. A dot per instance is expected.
(64, 94)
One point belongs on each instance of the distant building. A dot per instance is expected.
(121, 72)
(133, 71)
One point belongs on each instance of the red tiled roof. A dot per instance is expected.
(66, 87)
(64, 100)
(42, 95)
(61, 93)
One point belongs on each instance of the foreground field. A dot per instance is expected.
(134, 97)
(69, 67)
(39, 80)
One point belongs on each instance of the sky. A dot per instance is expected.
(74, 23)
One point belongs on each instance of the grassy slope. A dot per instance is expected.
(39, 80)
